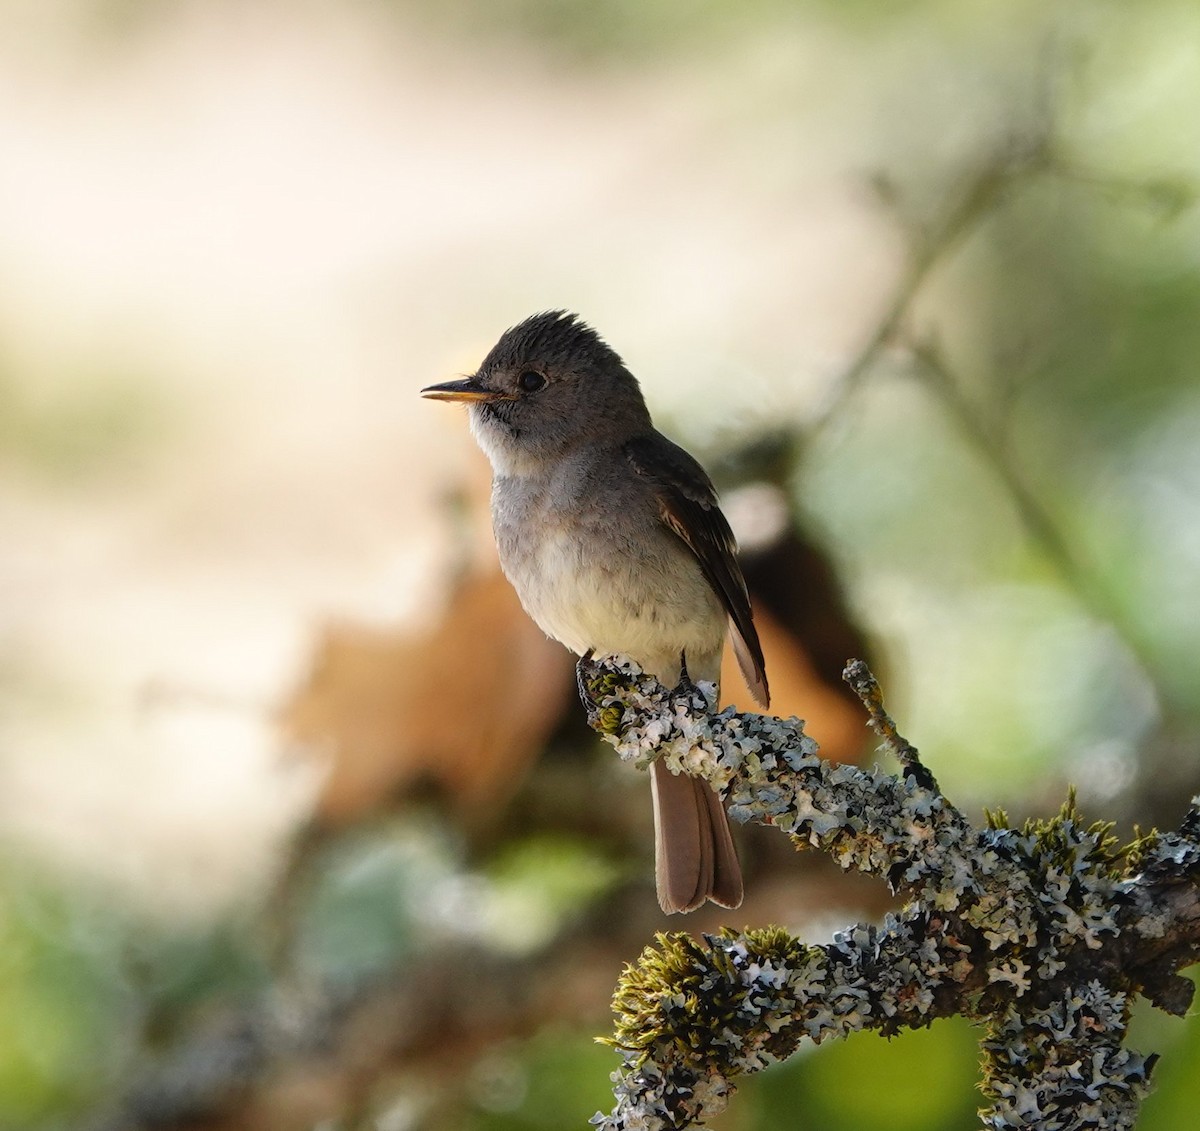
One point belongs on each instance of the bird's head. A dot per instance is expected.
(550, 384)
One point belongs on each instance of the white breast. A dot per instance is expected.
(650, 602)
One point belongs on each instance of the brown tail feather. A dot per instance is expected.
(694, 855)
(750, 661)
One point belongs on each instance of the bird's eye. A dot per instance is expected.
(530, 382)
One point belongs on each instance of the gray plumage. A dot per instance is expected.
(612, 537)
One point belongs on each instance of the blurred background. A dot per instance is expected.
(299, 823)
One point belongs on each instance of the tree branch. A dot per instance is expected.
(1042, 934)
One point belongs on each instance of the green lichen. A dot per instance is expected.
(689, 998)
(608, 720)
(1065, 842)
(1141, 849)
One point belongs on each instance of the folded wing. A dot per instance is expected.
(688, 506)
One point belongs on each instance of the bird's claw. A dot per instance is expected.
(584, 668)
(686, 687)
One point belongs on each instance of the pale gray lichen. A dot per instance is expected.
(1063, 1066)
(997, 924)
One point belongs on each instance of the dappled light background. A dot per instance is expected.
(298, 823)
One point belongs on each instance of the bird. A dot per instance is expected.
(614, 540)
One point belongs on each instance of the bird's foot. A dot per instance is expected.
(585, 669)
(686, 688)
(685, 685)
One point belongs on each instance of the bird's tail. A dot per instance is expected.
(694, 857)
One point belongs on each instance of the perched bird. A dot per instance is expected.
(612, 537)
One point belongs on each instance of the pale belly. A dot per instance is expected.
(650, 601)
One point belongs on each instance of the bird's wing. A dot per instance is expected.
(688, 505)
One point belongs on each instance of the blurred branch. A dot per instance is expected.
(305, 1053)
(975, 201)
(971, 206)
(935, 374)
(1042, 935)
(1171, 196)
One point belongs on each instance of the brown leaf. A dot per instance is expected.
(465, 706)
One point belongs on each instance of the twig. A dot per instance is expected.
(866, 687)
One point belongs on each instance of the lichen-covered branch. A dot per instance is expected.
(1041, 934)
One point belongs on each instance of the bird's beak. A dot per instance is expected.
(468, 389)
